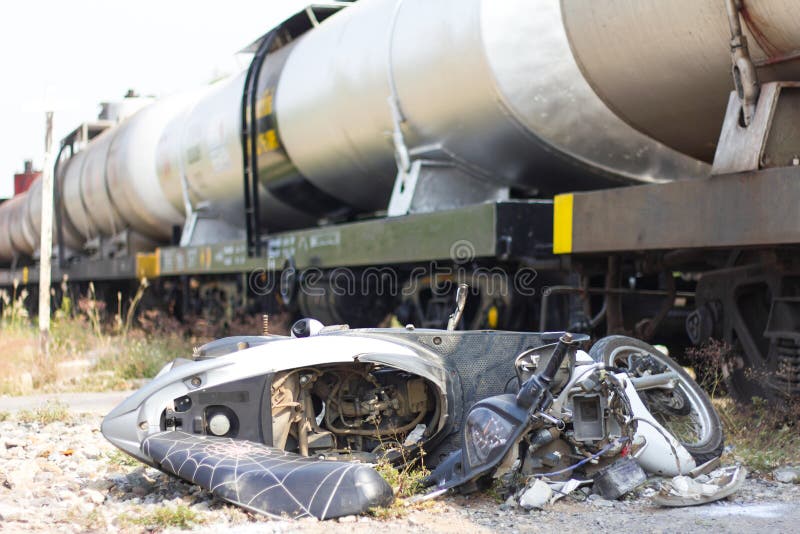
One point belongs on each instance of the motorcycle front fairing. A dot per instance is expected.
(166, 425)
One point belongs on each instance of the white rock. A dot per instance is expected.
(537, 495)
(602, 503)
(787, 475)
(94, 496)
(201, 507)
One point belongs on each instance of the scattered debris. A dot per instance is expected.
(687, 491)
(562, 489)
(599, 502)
(537, 495)
(619, 478)
(787, 475)
(706, 468)
(5, 482)
(415, 436)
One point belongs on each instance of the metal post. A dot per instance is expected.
(46, 242)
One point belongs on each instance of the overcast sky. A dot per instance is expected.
(83, 52)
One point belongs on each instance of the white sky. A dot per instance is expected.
(83, 52)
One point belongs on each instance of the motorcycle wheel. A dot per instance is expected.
(686, 411)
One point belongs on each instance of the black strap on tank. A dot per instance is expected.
(58, 206)
(249, 145)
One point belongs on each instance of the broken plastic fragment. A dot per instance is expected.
(537, 495)
(415, 436)
(685, 491)
(562, 489)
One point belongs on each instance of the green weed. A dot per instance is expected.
(180, 516)
(50, 412)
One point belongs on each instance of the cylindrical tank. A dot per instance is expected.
(74, 207)
(536, 95)
(6, 246)
(23, 240)
(96, 196)
(112, 184)
(665, 67)
(204, 145)
(72, 239)
(131, 171)
(548, 96)
(476, 80)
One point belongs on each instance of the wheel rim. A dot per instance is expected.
(692, 429)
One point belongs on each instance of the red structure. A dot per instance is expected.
(23, 180)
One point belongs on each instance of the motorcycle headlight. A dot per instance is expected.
(485, 432)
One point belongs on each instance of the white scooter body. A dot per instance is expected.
(661, 454)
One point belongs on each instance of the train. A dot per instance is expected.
(606, 166)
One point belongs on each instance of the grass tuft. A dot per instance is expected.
(180, 516)
(405, 482)
(50, 412)
(118, 458)
(763, 436)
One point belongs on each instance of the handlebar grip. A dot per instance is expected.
(557, 358)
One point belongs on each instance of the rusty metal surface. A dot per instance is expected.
(665, 67)
(772, 138)
(733, 210)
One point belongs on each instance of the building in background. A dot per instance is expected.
(23, 180)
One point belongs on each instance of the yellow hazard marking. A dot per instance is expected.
(147, 265)
(264, 105)
(562, 224)
(267, 141)
(492, 318)
(25, 275)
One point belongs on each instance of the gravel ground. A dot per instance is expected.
(65, 477)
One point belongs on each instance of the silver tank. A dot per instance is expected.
(6, 246)
(664, 66)
(492, 82)
(544, 94)
(539, 95)
(132, 175)
(204, 145)
(21, 234)
(72, 239)
(112, 184)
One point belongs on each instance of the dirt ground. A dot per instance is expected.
(57, 472)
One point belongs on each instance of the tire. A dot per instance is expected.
(711, 440)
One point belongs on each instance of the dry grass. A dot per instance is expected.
(121, 460)
(760, 435)
(50, 412)
(117, 350)
(114, 361)
(167, 516)
(406, 481)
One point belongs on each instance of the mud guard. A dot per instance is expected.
(268, 480)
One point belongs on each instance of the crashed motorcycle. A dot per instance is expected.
(290, 425)
(623, 400)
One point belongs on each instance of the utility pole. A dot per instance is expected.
(46, 243)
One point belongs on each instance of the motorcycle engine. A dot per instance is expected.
(352, 409)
